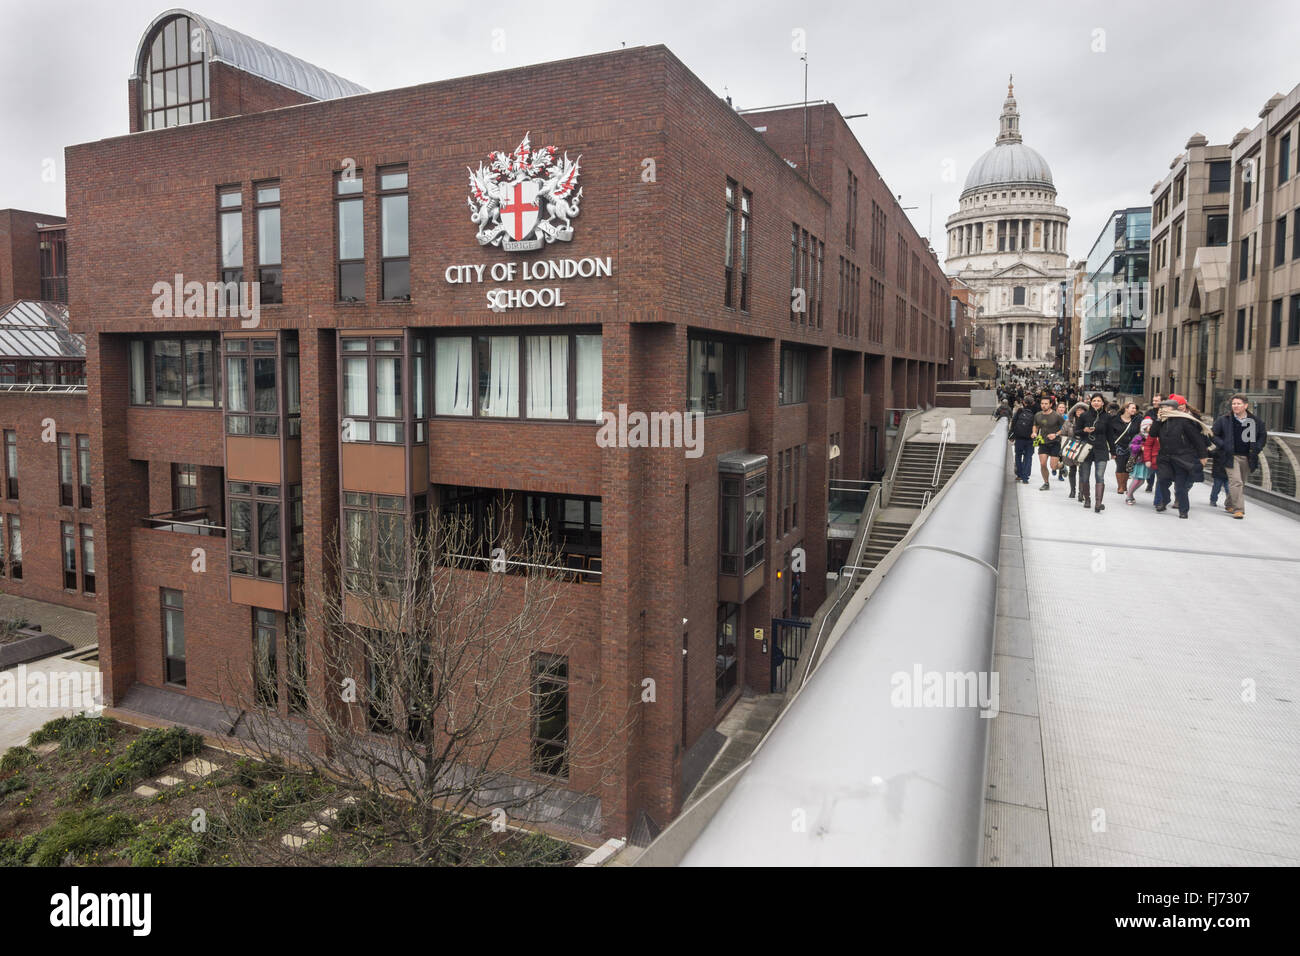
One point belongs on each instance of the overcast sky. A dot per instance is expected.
(1108, 91)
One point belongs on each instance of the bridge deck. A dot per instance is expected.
(1129, 644)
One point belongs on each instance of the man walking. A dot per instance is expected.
(1239, 437)
(1047, 427)
(1022, 434)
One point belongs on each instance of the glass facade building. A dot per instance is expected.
(1116, 302)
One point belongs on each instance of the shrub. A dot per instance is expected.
(143, 757)
(16, 758)
(166, 844)
(13, 785)
(79, 832)
(49, 731)
(82, 732)
(270, 800)
(16, 852)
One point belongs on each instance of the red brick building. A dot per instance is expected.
(47, 547)
(709, 268)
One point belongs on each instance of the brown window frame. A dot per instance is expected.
(171, 601)
(384, 261)
(341, 198)
(257, 495)
(271, 293)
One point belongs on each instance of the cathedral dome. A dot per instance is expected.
(1009, 164)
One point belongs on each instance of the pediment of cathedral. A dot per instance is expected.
(1020, 270)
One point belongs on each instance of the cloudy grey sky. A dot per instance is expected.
(1108, 91)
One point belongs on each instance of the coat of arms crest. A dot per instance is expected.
(524, 200)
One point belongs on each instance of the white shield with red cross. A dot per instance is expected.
(519, 212)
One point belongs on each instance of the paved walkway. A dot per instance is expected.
(75, 627)
(34, 694)
(1161, 724)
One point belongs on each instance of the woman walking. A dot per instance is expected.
(1069, 467)
(1122, 429)
(1092, 427)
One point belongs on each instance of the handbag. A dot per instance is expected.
(1076, 450)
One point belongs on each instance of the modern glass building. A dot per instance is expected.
(1115, 306)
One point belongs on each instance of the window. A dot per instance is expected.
(1178, 283)
(1284, 158)
(230, 219)
(550, 715)
(484, 375)
(254, 530)
(173, 626)
(1293, 325)
(742, 514)
(270, 272)
(729, 253)
(69, 535)
(1220, 176)
(54, 265)
(373, 411)
(252, 405)
(1216, 230)
(1247, 181)
(794, 377)
(1275, 326)
(1178, 239)
(83, 469)
(265, 677)
(65, 470)
(746, 239)
(11, 465)
(1279, 241)
(374, 541)
(88, 559)
(1018, 295)
(851, 224)
(1240, 342)
(572, 526)
(393, 230)
(175, 372)
(185, 487)
(794, 271)
(1243, 268)
(1295, 234)
(715, 376)
(726, 658)
(839, 372)
(295, 637)
(173, 77)
(350, 221)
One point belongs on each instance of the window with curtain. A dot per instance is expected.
(452, 376)
(498, 376)
(589, 377)
(356, 392)
(548, 376)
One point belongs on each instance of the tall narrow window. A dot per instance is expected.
(1279, 241)
(498, 375)
(728, 241)
(88, 559)
(746, 239)
(65, 470)
(270, 271)
(232, 241)
(1243, 267)
(1275, 325)
(265, 677)
(15, 547)
(550, 711)
(794, 270)
(11, 464)
(254, 530)
(726, 658)
(185, 486)
(1284, 158)
(83, 469)
(69, 556)
(393, 227)
(173, 626)
(351, 237)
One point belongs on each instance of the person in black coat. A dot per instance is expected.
(1184, 442)
(1092, 428)
(1120, 430)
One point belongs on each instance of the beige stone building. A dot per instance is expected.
(1189, 246)
(1225, 269)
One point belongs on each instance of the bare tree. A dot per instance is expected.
(437, 702)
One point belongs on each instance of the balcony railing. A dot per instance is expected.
(185, 521)
(577, 567)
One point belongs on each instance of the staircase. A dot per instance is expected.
(916, 470)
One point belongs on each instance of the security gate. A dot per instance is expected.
(788, 636)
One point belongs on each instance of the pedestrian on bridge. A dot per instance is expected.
(1239, 437)
(1140, 470)
(1185, 441)
(1047, 436)
(1021, 433)
(1121, 430)
(1093, 427)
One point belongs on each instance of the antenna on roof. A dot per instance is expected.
(804, 56)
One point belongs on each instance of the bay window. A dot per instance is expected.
(173, 372)
(254, 530)
(373, 380)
